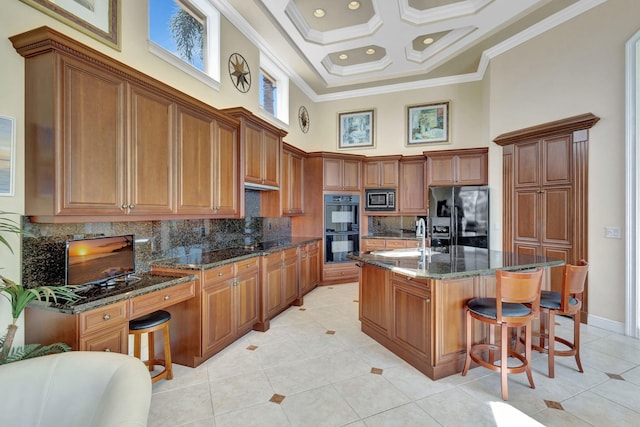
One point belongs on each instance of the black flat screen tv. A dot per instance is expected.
(99, 260)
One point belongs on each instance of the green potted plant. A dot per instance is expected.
(19, 297)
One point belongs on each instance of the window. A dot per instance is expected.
(274, 90)
(186, 33)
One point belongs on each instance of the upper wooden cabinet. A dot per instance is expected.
(102, 140)
(342, 173)
(261, 149)
(292, 179)
(381, 172)
(458, 167)
(412, 191)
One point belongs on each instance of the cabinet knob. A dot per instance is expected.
(166, 298)
(123, 207)
(219, 273)
(106, 317)
(427, 300)
(107, 350)
(132, 206)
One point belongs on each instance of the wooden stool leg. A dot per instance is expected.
(576, 338)
(551, 344)
(152, 350)
(167, 352)
(467, 359)
(137, 344)
(527, 352)
(504, 347)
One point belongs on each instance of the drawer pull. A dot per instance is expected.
(428, 300)
(166, 298)
(106, 317)
(107, 350)
(219, 273)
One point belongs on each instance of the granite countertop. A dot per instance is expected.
(95, 296)
(460, 261)
(211, 259)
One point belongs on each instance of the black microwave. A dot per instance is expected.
(380, 199)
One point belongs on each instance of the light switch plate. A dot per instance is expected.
(612, 232)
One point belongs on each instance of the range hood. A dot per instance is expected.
(259, 187)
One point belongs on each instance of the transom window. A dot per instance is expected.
(274, 90)
(268, 93)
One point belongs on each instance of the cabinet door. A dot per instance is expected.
(372, 174)
(413, 187)
(111, 340)
(226, 170)
(332, 173)
(218, 327)
(253, 152)
(351, 175)
(272, 285)
(290, 276)
(271, 159)
(557, 167)
(195, 162)
(151, 154)
(93, 141)
(315, 263)
(526, 158)
(441, 170)
(247, 303)
(471, 169)
(374, 298)
(296, 172)
(411, 316)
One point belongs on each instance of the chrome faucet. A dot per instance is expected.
(421, 231)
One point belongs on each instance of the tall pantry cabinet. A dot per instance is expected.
(545, 189)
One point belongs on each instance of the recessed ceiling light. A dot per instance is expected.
(427, 40)
(318, 13)
(353, 5)
(343, 56)
(370, 51)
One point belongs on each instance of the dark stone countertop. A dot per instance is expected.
(460, 261)
(95, 296)
(211, 259)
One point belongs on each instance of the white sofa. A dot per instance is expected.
(79, 388)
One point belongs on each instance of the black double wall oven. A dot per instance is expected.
(341, 227)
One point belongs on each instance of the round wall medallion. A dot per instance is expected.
(303, 119)
(239, 72)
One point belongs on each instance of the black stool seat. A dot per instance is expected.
(149, 320)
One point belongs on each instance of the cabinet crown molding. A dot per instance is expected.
(570, 124)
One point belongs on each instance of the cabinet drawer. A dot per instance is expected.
(104, 317)
(346, 272)
(157, 300)
(218, 274)
(290, 253)
(247, 265)
(373, 244)
(110, 340)
(396, 244)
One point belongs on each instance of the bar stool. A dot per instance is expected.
(150, 324)
(568, 302)
(515, 305)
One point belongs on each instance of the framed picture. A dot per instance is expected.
(428, 123)
(355, 129)
(7, 155)
(99, 19)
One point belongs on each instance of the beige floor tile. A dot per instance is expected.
(370, 394)
(409, 415)
(599, 411)
(318, 407)
(181, 406)
(234, 393)
(264, 415)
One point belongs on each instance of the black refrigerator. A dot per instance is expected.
(459, 215)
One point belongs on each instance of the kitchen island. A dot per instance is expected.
(414, 305)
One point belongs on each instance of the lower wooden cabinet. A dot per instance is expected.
(411, 306)
(280, 284)
(374, 310)
(342, 272)
(110, 340)
(310, 267)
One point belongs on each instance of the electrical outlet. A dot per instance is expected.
(612, 232)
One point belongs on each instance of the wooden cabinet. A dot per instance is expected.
(368, 245)
(102, 138)
(292, 181)
(375, 295)
(261, 149)
(458, 167)
(342, 174)
(208, 165)
(103, 329)
(381, 172)
(411, 305)
(247, 295)
(310, 267)
(371, 244)
(412, 189)
(280, 284)
(341, 272)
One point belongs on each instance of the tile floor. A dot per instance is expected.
(315, 368)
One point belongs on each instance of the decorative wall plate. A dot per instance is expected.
(303, 119)
(239, 72)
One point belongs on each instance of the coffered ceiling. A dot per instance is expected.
(341, 48)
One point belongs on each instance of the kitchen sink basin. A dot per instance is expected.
(402, 253)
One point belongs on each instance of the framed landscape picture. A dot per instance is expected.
(428, 123)
(356, 129)
(7, 155)
(99, 19)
